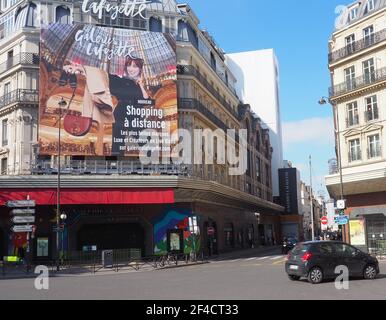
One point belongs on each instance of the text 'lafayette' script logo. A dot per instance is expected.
(130, 8)
(103, 44)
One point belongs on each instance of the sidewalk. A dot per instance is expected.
(20, 272)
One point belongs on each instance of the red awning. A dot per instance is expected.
(89, 196)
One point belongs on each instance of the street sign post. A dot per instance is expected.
(342, 220)
(324, 221)
(23, 219)
(23, 228)
(21, 204)
(21, 212)
(211, 231)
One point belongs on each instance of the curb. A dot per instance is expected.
(183, 265)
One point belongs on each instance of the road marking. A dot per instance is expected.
(275, 258)
(262, 258)
(236, 260)
(251, 265)
(250, 259)
(279, 262)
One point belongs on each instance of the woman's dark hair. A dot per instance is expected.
(139, 62)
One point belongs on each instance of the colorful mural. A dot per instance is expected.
(174, 219)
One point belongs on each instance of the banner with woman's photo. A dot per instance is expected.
(103, 87)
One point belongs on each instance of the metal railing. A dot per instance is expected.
(192, 71)
(22, 58)
(357, 46)
(193, 104)
(19, 96)
(358, 83)
(101, 167)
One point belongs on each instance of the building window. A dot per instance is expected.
(258, 168)
(4, 166)
(371, 109)
(350, 43)
(368, 36)
(374, 143)
(355, 150)
(353, 13)
(63, 15)
(369, 71)
(350, 77)
(155, 24)
(31, 20)
(4, 132)
(213, 61)
(352, 114)
(370, 5)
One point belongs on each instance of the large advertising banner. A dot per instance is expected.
(357, 232)
(103, 87)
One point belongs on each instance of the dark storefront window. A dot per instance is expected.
(376, 233)
(42, 247)
(229, 235)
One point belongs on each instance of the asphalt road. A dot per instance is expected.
(242, 278)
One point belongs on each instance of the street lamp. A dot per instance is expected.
(324, 101)
(63, 218)
(62, 104)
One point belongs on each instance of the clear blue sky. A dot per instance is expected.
(299, 32)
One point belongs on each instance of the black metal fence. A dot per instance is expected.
(78, 262)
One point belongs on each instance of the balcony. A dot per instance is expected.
(357, 46)
(22, 58)
(193, 104)
(19, 96)
(192, 71)
(358, 83)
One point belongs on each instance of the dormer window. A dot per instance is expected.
(354, 13)
(370, 6)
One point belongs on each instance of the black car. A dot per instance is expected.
(288, 245)
(317, 261)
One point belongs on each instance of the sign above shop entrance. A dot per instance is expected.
(130, 8)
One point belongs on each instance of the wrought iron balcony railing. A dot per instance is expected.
(19, 96)
(358, 83)
(22, 58)
(357, 46)
(192, 71)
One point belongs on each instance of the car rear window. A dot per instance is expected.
(300, 248)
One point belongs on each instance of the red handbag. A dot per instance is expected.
(77, 126)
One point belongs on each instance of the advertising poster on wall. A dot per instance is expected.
(357, 232)
(103, 87)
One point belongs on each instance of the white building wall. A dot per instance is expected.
(258, 85)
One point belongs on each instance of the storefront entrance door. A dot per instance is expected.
(111, 236)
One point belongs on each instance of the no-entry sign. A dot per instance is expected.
(324, 221)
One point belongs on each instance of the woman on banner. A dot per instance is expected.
(100, 105)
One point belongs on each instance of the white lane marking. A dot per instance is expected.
(250, 259)
(262, 258)
(276, 258)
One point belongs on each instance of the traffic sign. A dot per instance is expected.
(342, 220)
(23, 219)
(211, 231)
(21, 204)
(324, 221)
(18, 229)
(17, 212)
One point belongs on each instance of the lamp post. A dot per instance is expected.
(62, 104)
(63, 218)
(324, 101)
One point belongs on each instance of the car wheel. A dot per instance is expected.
(294, 278)
(315, 276)
(370, 272)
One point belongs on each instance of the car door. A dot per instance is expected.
(347, 256)
(326, 259)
